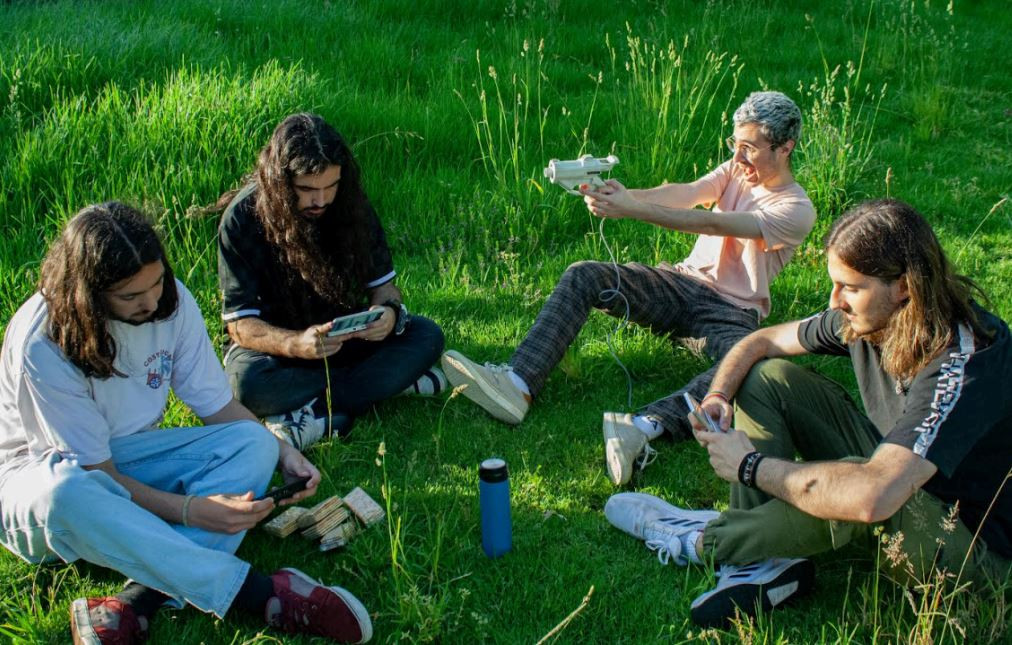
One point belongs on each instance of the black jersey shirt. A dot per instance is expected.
(956, 413)
(255, 282)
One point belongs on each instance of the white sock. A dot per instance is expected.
(689, 546)
(649, 426)
(519, 382)
(430, 383)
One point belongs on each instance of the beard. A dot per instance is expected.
(137, 322)
(877, 337)
(901, 354)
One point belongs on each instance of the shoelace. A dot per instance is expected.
(298, 424)
(666, 548)
(116, 626)
(665, 540)
(501, 368)
(295, 613)
(647, 457)
(665, 537)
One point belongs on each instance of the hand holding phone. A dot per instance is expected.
(343, 325)
(286, 491)
(699, 415)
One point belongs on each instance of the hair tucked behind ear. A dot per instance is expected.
(100, 246)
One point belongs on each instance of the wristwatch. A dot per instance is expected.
(402, 315)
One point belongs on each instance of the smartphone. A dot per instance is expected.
(353, 322)
(697, 413)
(286, 491)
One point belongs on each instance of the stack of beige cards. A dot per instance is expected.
(333, 521)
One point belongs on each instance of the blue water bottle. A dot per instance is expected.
(494, 499)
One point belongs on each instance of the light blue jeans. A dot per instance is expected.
(51, 508)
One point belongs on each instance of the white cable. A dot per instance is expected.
(607, 295)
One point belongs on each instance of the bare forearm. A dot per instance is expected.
(384, 293)
(769, 342)
(255, 334)
(737, 363)
(167, 506)
(703, 222)
(233, 411)
(670, 195)
(832, 490)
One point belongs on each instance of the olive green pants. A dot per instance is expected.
(788, 411)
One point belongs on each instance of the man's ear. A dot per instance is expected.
(902, 288)
(788, 146)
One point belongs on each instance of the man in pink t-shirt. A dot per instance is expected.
(757, 216)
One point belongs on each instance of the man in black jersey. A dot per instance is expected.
(929, 463)
(299, 246)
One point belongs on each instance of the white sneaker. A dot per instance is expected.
(488, 385)
(299, 428)
(625, 447)
(752, 588)
(430, 383)
(658, 523)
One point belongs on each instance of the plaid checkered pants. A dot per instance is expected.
(665, 301)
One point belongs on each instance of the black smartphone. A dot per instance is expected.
(286, 491)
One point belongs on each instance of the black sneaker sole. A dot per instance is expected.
(717, 609)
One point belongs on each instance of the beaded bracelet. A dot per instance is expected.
(186, 510)
(748, 468)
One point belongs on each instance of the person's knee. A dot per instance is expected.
(244, 381)
(68, 497)
(765, 379)
(259, 449)
(429, 337)
(252, 388)
(584, 273)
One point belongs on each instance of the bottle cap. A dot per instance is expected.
(493, 470)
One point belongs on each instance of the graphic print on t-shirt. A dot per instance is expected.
(159, 366)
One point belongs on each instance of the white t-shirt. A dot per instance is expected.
(741, 270)
(47, 403)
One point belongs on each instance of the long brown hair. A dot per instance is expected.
(330, 254)
(101, 245)
(888, 239)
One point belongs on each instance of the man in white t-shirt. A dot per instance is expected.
(758, 216)
(87, 364)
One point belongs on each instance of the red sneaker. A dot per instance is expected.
(302, 605)
(105, 621)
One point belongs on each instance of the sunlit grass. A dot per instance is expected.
(453, 110)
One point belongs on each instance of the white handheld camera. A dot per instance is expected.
(575, 174)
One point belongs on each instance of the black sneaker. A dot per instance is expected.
(751, 588)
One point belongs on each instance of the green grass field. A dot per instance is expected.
(453, 109)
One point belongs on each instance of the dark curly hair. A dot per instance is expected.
(330, 254)
(100, 246)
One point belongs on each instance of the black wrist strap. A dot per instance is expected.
(401, 317)
(396, 306)
(748, 468)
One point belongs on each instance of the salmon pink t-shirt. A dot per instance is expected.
(740, 269)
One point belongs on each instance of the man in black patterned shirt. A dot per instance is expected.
(929, 462)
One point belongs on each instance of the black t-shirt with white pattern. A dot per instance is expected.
(956, 413)
(254, 282)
